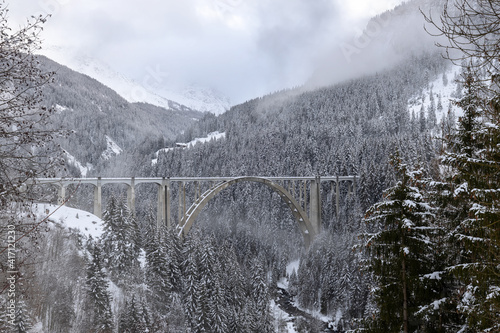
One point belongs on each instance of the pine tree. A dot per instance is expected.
(261, 298)
(218, 309)
(431, 112)
(422, 120)
(191, 282)
(157, 268)
(132, 318)
(97, 291)
(22, 321)
(475, 162)
(399, 252)
(119, 239)
(293, 284)
(470, 27)
(173, 249)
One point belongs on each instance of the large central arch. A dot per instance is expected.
(301, 217)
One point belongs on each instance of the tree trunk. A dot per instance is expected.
(405, 298)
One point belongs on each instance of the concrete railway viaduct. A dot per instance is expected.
(301, 194)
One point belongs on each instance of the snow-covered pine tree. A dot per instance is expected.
(422, 120)
(22, 321)
(293, 284)
(99, 298)
(431, 111)
(173, 249)
(399, 251)
(119, 242)
(471, 29)
(474, 159)
(157, 268)
(218, 309)
(132, 319)
(191, 281)
(261, 298)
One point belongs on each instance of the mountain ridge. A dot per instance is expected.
(154, 88)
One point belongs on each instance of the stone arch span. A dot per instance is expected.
(299, 214)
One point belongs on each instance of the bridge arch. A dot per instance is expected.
(305, 225)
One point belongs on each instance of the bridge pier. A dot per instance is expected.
(182, 202)
(315, 204)
(98, 198)
(62, 195)
(160, 209)
(354, 185)
(337, 197)
(168, 193)
(131, 196)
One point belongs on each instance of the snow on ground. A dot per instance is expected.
(72, 160)
(112, 149)
(37, 328)
(283, 283)
(318, 315)
(142, 258)
(88, 224)
(211, 136)
(61, 108)
(292, 266)
(281, 317)
(444, 89)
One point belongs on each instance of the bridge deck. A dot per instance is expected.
(138, 180)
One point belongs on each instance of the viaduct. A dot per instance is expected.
(298, 193)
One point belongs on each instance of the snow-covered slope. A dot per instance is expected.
(156, 92)
(88, 224)
(73, 161)
(443, 90)
(211, 136)
(112, 149)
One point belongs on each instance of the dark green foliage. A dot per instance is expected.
(401, 253)
(471, 207)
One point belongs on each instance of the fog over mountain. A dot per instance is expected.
(244, 49)
(155, 88)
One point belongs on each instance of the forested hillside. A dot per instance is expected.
(347, 129)
(105, 124)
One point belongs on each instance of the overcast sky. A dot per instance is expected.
(244, 48)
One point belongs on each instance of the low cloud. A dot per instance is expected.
(242, 48)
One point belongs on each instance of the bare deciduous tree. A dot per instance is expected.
(26, 148)
(473, 29)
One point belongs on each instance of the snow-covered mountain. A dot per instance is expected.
(155, 92)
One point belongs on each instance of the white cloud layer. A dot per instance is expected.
(244, 48)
